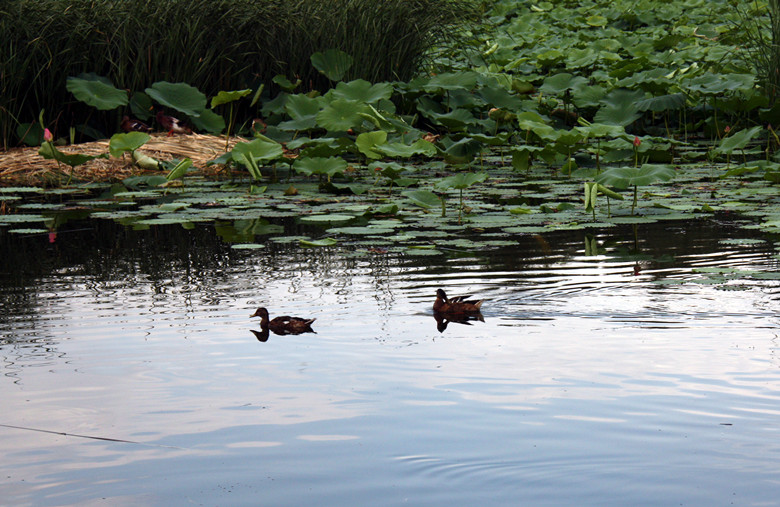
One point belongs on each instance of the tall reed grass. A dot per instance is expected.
(211, 44)
(760, 30)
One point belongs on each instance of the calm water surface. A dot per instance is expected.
(130, 374)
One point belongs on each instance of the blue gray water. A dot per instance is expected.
(129, 374)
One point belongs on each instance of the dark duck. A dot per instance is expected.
(458, 305)
(285, 324)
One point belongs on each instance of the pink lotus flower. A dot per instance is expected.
(727, 129)
(637, 142)
(47, 135)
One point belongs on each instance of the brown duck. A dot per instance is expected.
(132, 125)
(172, 125)
(456, 305)
(283, 325)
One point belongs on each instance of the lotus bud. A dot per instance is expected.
(637, 142)
(47, 135)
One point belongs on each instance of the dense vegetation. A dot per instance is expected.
(552, 112)
(212, 44)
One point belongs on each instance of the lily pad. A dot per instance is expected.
(318, 242)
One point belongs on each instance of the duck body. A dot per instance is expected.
(455, 305)
(132, 125)
(172, 125)
(284, 324)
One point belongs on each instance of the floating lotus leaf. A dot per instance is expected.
(28, 231)
(247, 246)
(96, 91)
(318, 242)
(20, 218)
(166, 220)
(327, 218)
(35, 190)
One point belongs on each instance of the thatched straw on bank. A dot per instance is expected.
(23, 166)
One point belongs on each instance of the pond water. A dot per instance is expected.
(636, 365)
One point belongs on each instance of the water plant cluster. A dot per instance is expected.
(571, 115)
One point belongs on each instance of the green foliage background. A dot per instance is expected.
(212, 44)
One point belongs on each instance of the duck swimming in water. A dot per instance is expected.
(285, 324)
(455, 305)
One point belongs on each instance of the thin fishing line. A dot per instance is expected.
(106, 439)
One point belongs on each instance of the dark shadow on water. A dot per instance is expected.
(444, 319)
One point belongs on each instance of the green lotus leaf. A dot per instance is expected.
(20, 218)
(209, 121)
(30, 134)
(28, 231)
(342, 114)
(716, 84)
(179, 170)
(226, 97)
(318, 242)
(465, 80)
(247, 246)
(624, 177)
(737, 141)
(320, 165)
(303, 111)
(401, 150)
(50, 152)
(96, 91)
(260, 149)
(500, 97)
(333, 63)
(559, 83)
(423, 198)
(131, 141)
(462, 180)
(596, 20)
(363, 91)
(460, 151)
(179, 96)
(367, 142)
(285, 84)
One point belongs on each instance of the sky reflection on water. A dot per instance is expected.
(588, 383)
